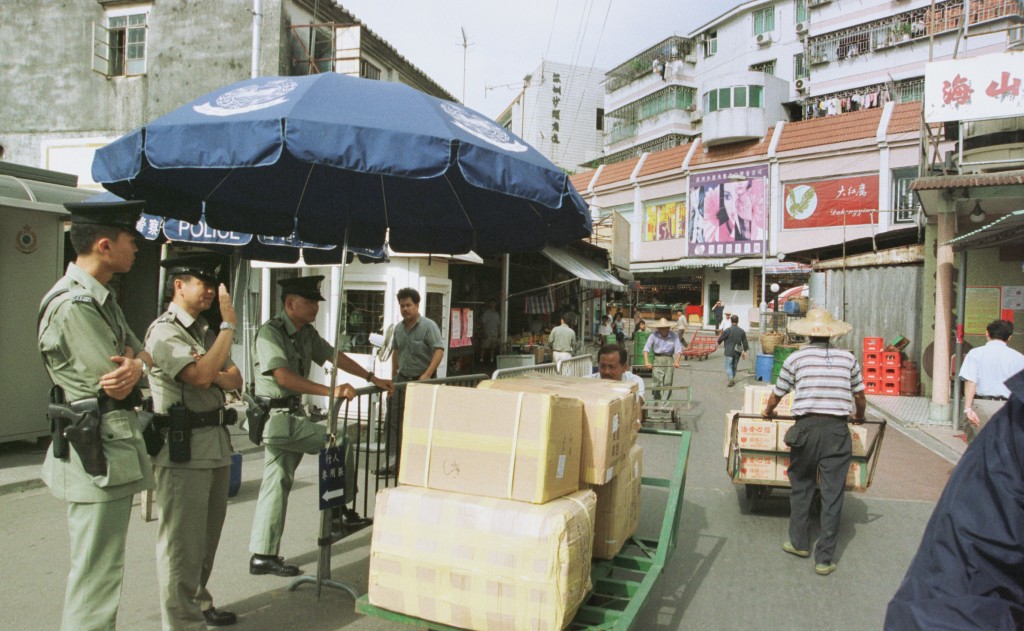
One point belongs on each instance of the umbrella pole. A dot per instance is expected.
(323, 566)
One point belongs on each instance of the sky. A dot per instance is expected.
(508, 40)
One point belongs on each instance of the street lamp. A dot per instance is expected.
(775, 290)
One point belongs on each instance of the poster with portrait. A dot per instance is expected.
(665, 221)
(849, 201)
(727, 212)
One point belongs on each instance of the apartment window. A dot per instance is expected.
(724, 98)
(800, 11)
(739, 96)
(739, 280)
(734, 96)
(119, 47)
(710, 43)
(764, 20)
(600, 119)
(364, 314)
(757, 96)
(800, 69)
(368, 70)
(904, 202)
(767, 67)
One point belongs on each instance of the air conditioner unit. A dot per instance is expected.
(802, 85)
(696, 115)
(801, 28)
(763, 39)
(690, 59)
(817, 3)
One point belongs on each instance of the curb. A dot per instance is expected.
(919, 435)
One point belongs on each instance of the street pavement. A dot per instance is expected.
(728, 571)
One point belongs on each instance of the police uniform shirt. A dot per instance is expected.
(415, 347)
(174, 339)
(280, 345)
(78, 334)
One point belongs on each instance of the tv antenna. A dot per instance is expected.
(465, 48)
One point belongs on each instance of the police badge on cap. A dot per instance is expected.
(306, 286)
(205, 267)
(123, 215)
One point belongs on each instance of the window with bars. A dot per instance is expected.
(800, 69)
(904, 202)
(767, 67)
(710, 43)
(364, 314)
(764, 20)
(368, 70)
(119, 47)
(800, 11)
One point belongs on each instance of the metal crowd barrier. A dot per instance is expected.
(579, 366)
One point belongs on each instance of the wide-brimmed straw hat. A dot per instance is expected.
(660, 324)
(819, 323)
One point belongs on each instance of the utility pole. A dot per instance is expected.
(465, 48)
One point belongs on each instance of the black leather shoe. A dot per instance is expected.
(354, 520)
(269, 564)
(389, 471)
(216, 618)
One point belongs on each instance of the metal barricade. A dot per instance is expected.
(519, 371)
(579, 366)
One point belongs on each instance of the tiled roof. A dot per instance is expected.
(617, 172)
(968, 181)
(830, 129)
(581, 181)
(665, 160)
(733, 150)
(906, 117)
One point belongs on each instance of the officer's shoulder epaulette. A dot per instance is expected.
(86, 298)
(166, 317)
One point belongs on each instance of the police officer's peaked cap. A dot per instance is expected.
(119, 214)
(205, 267)
(306, 286)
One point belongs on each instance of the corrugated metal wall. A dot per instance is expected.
(879, 302)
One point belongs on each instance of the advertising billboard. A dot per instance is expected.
(665, 221)
(727, 211)
(847, 201)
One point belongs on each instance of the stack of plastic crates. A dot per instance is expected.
(881, 368)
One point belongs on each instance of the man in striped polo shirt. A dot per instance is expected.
(827, 386)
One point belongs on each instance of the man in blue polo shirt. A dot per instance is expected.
(667, 348)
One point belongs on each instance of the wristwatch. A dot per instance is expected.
(227, 326)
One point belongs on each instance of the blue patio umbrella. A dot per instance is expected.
(333, 159)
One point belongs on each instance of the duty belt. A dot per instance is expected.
(988, 397)
(288, 403)
(210, 418)
(105, 404)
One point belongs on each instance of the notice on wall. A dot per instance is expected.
(983, 306)
(1013, 297)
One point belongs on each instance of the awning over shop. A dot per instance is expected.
(772, 265)
(1005, 229)
(590, 274)
(687, 262)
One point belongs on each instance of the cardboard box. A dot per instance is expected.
(728, 430)
(781, 469)
(857, 476)
(756, 434)
(481, 563)
(858, 434)
(608, 413)
(618, 506)
(782, 427)
(518, 446)
(756, 467)
(632, 405)
(755, 398)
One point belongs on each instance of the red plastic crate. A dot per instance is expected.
(891, 359)
(873, 358)
(872, 386)
(890, 374)
(873, 373)
(873, 344)
(890, 387)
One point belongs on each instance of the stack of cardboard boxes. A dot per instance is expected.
(501, 490)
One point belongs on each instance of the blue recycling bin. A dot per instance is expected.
(763, 367)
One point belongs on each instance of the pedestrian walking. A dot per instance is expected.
(666, 347)
(562, 340)
(490, 320)
(618, 328)
(717, 310)
(736, 347)
(285, 348)
(192, 369)
(417, 352)
(97, 460)
(985, 371)
(827, 385)
(605, 329)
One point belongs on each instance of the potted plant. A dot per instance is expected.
(902, 31)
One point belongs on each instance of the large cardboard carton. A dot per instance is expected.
(755, 397)
(756, 466)
(783, 427)
(632, 404)
(618, 505)
(481, 563)
(608, 416)
(858, 434)
(782, 468)
(756, 434)
(520, 446)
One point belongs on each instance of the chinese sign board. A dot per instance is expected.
(982, 306)
(848, 201)
(332, 477)
(462, 327)
(556, 99)
(988, 86)
(665, 221)
(727, 212)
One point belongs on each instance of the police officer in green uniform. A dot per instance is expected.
(285, 347)
(95, 362)
(191, 371)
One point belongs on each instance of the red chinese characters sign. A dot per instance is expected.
(849, 201)
(987, 86)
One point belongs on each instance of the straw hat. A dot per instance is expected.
(819, 323)
(660, 324)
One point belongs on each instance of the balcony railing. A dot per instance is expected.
(674, 48)
(907, 26)
(673, 97)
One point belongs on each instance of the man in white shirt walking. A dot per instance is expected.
(984, 371)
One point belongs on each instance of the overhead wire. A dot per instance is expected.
(593, 60)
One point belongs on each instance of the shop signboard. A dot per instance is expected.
(847, 201)
(666, 220)
(727, 212)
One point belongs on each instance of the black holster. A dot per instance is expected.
(83, 434)
(179, 434)
(151, 423)
(256, 415)
(58, 415)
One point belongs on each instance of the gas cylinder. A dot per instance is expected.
(910, 382)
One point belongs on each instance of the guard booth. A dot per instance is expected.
(32, 219)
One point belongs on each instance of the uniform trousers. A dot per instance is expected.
(280, 460)
(98, 532)
(821, 451)
(193, 504)
(662, 375)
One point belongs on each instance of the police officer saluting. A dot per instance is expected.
(285, 347)
(95, 362)
(191, 371)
